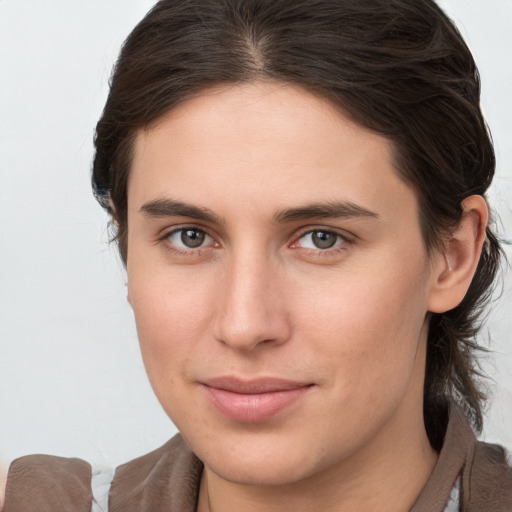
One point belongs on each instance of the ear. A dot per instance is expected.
(455, 267)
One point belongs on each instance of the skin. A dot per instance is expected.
(258, 298)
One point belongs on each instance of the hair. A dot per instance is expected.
(397, 67)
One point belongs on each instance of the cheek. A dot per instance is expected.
(367, 326)
(171, 319)
(172, 315)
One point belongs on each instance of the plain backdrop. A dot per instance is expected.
(72, 381)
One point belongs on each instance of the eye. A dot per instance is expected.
(189, 238)
(320, 239)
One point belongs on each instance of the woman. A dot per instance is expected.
(298, 192)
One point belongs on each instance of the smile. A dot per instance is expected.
(252, 401)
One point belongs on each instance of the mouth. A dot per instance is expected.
(253, 401)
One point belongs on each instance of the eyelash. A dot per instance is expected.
(341, 244)
(190, 252)
(196, 252)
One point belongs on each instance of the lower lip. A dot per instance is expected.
(253, 408)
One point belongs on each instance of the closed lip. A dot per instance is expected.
(252, 401)
(253, 386)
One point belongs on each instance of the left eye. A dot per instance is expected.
(189, 238)
(320, 239)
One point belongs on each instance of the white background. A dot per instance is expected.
(71, 378)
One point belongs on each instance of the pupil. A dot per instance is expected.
(192, 237)
(324, 240)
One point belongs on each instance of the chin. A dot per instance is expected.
(275, 472)
(265, 458)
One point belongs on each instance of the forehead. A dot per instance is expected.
(268, 143)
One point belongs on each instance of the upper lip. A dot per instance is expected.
(253, 386)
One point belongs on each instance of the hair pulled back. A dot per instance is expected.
(397, 67)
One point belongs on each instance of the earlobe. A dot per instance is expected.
(455, 268)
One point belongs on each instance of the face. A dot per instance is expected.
(279, 282)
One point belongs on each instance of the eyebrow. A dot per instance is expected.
(170, 208)
(159, 208)
(328, 210)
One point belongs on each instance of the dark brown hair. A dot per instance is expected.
(397, 67)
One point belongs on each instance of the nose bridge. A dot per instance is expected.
(250, 310)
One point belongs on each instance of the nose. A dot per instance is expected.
(251, 309)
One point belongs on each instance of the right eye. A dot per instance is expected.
(189, 238)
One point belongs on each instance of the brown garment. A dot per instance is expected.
(42, 483)
(168, 479)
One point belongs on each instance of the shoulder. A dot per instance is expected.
(481, 469)
(46, 483)
(487, 478)
(166, 478)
